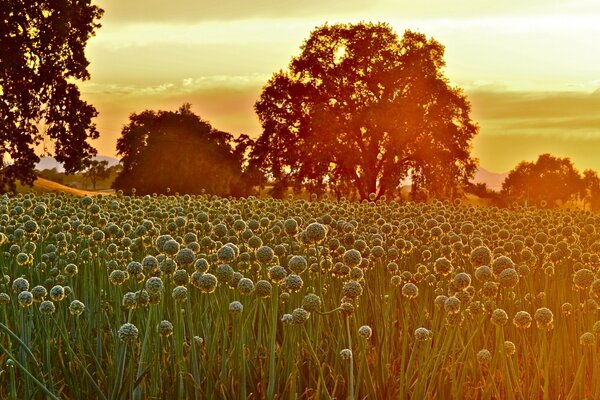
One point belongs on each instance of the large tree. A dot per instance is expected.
(42, 46)
(180, 151)
(550, 179)
(360, 106)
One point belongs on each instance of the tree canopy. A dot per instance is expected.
(549, 178)
(42, 46)
(360, 110)
(163, 150)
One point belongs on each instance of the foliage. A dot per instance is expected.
(360, 106)
(41, 55)
(96, 170)
(550, 179)
(591, 189)
(52, 175)
(178, 151)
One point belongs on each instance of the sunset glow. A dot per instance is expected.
(530, 70)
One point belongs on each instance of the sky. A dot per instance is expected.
(531, 69)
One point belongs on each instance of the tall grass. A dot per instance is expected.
(194, 297)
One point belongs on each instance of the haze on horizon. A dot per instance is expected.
(531, 71)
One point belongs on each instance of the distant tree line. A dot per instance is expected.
(552, 181)
(169, 152)
(358, 113)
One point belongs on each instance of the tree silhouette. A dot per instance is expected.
(360, 105)
(96, 171)
(41, 52)
(591, 189)
(549, 179)
(179, 151)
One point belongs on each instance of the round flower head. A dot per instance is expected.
(346, 308)
(170, 247)
(39, 293)
(483, 273)
(297, 264)
(346, 354)
(180, 277)
(461, 281)
(410, 290)
(277, 273)
(185, 256)
(165, 328)
(264, 254)
(595, 289)
(226, 254)
(245, 286)
(201, 265)
(76, 307)
(198, 340)
(544, 318)
(422, 334)
(207, 283)
(595, 328)
(57, 293)
(352, 258)
(452, 305)
(235, 307)
(4, 298)
(587, 339)
(365, 332)
(20, 285)
(128, 333)
(117, 277)
(566, 309)
(352, 289)
(508, 278)
(263, 289)
(300, 316)
(501, 263)
(293, 283)
(509, 348)
(481, 256)
(311, 302)
(315, 232)
(25, 299)
(149, 264)
(70, 270)
(499, 317)
(286, 318)
(522, 319)
(180, 294)
(484, 357)
(583, 278)
(154, 285)
(134, 268)
(47, 307)
(442, 266)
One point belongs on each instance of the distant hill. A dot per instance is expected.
(41, 185)
(50, 162)
(492, 179)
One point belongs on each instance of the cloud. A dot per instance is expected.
(517, 126)
(538, 112)
(219, 10)
(227, 102)
(228, 10)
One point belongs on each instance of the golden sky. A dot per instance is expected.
(531, 69)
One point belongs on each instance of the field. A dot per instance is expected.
(183, 297)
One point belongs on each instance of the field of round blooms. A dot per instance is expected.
(199, 297)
